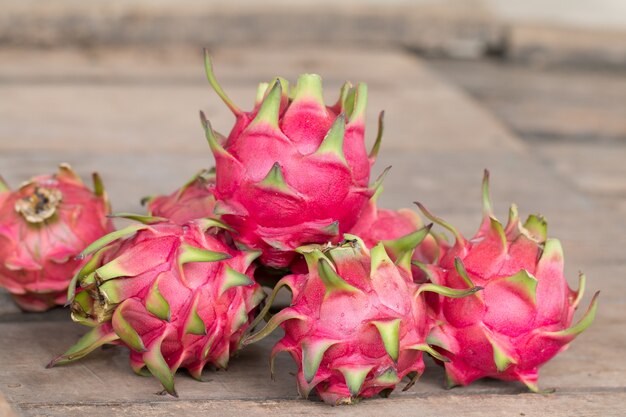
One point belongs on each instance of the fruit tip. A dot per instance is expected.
(53, 362)
(203, 118)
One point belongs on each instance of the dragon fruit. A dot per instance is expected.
(175, 295)
(357, 323)
(43, 226)
(292, 171)
(522, 318)
(194, 200)
(382, 225)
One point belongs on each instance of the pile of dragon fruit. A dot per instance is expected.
(290, 204)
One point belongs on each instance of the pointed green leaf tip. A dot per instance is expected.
(357, 112)
(234, 278)
(379, 257)
(312, 354)
(92, 340)
(309, 87)
(446, 291)
(390, 376)
(390, 334)
(524, 284)
(272, 324)
(156, 364)
(211, 137)
(406, 243)
(331, 229)
(98, 186)
(460, 240)
(111, 237)
(156, 303)
(269, 111)
(513, 224)
(530, 380)
(460, 269)
(125, 331)
(537, 226)
(207, 223)
(275, 180)
(312, 254)
(496, 227)
(4, 187)
(333, 142)
(432, 352)
(89, 267)
(582, 324)
(188, 253)
(582, 279)
(355, 376)
(552, 252)
(66, 171)
(348, 94)
(379, 136)
(113, 269)
(487, 208)
(343, 94)
(377, 186)
(195, 324)
(139, 218)
(210, 75)
(500, 357)
(332, 281)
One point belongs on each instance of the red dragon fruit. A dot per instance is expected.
(43, 226)
(523, 316)
(357, 323)
(382, 225)
(194, 200)
(175, 295)
(292, 171)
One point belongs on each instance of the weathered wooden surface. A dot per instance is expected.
(134, 119)
(573, 118)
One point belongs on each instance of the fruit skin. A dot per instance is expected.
(194, 200)
(382, 225)
(357, 323)
(522, 318)
(44, 224)
(292, 171)
(175, 295)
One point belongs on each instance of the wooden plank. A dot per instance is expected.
(574, 119)
(563, 104)
(597, 170)
(26, 347)
(593, 404)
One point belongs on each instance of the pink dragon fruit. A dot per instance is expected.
(522, 318)
(43, 225)
(194, 200)
(357, 323)
(382, 225)
(175, 295)
(292, 171)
